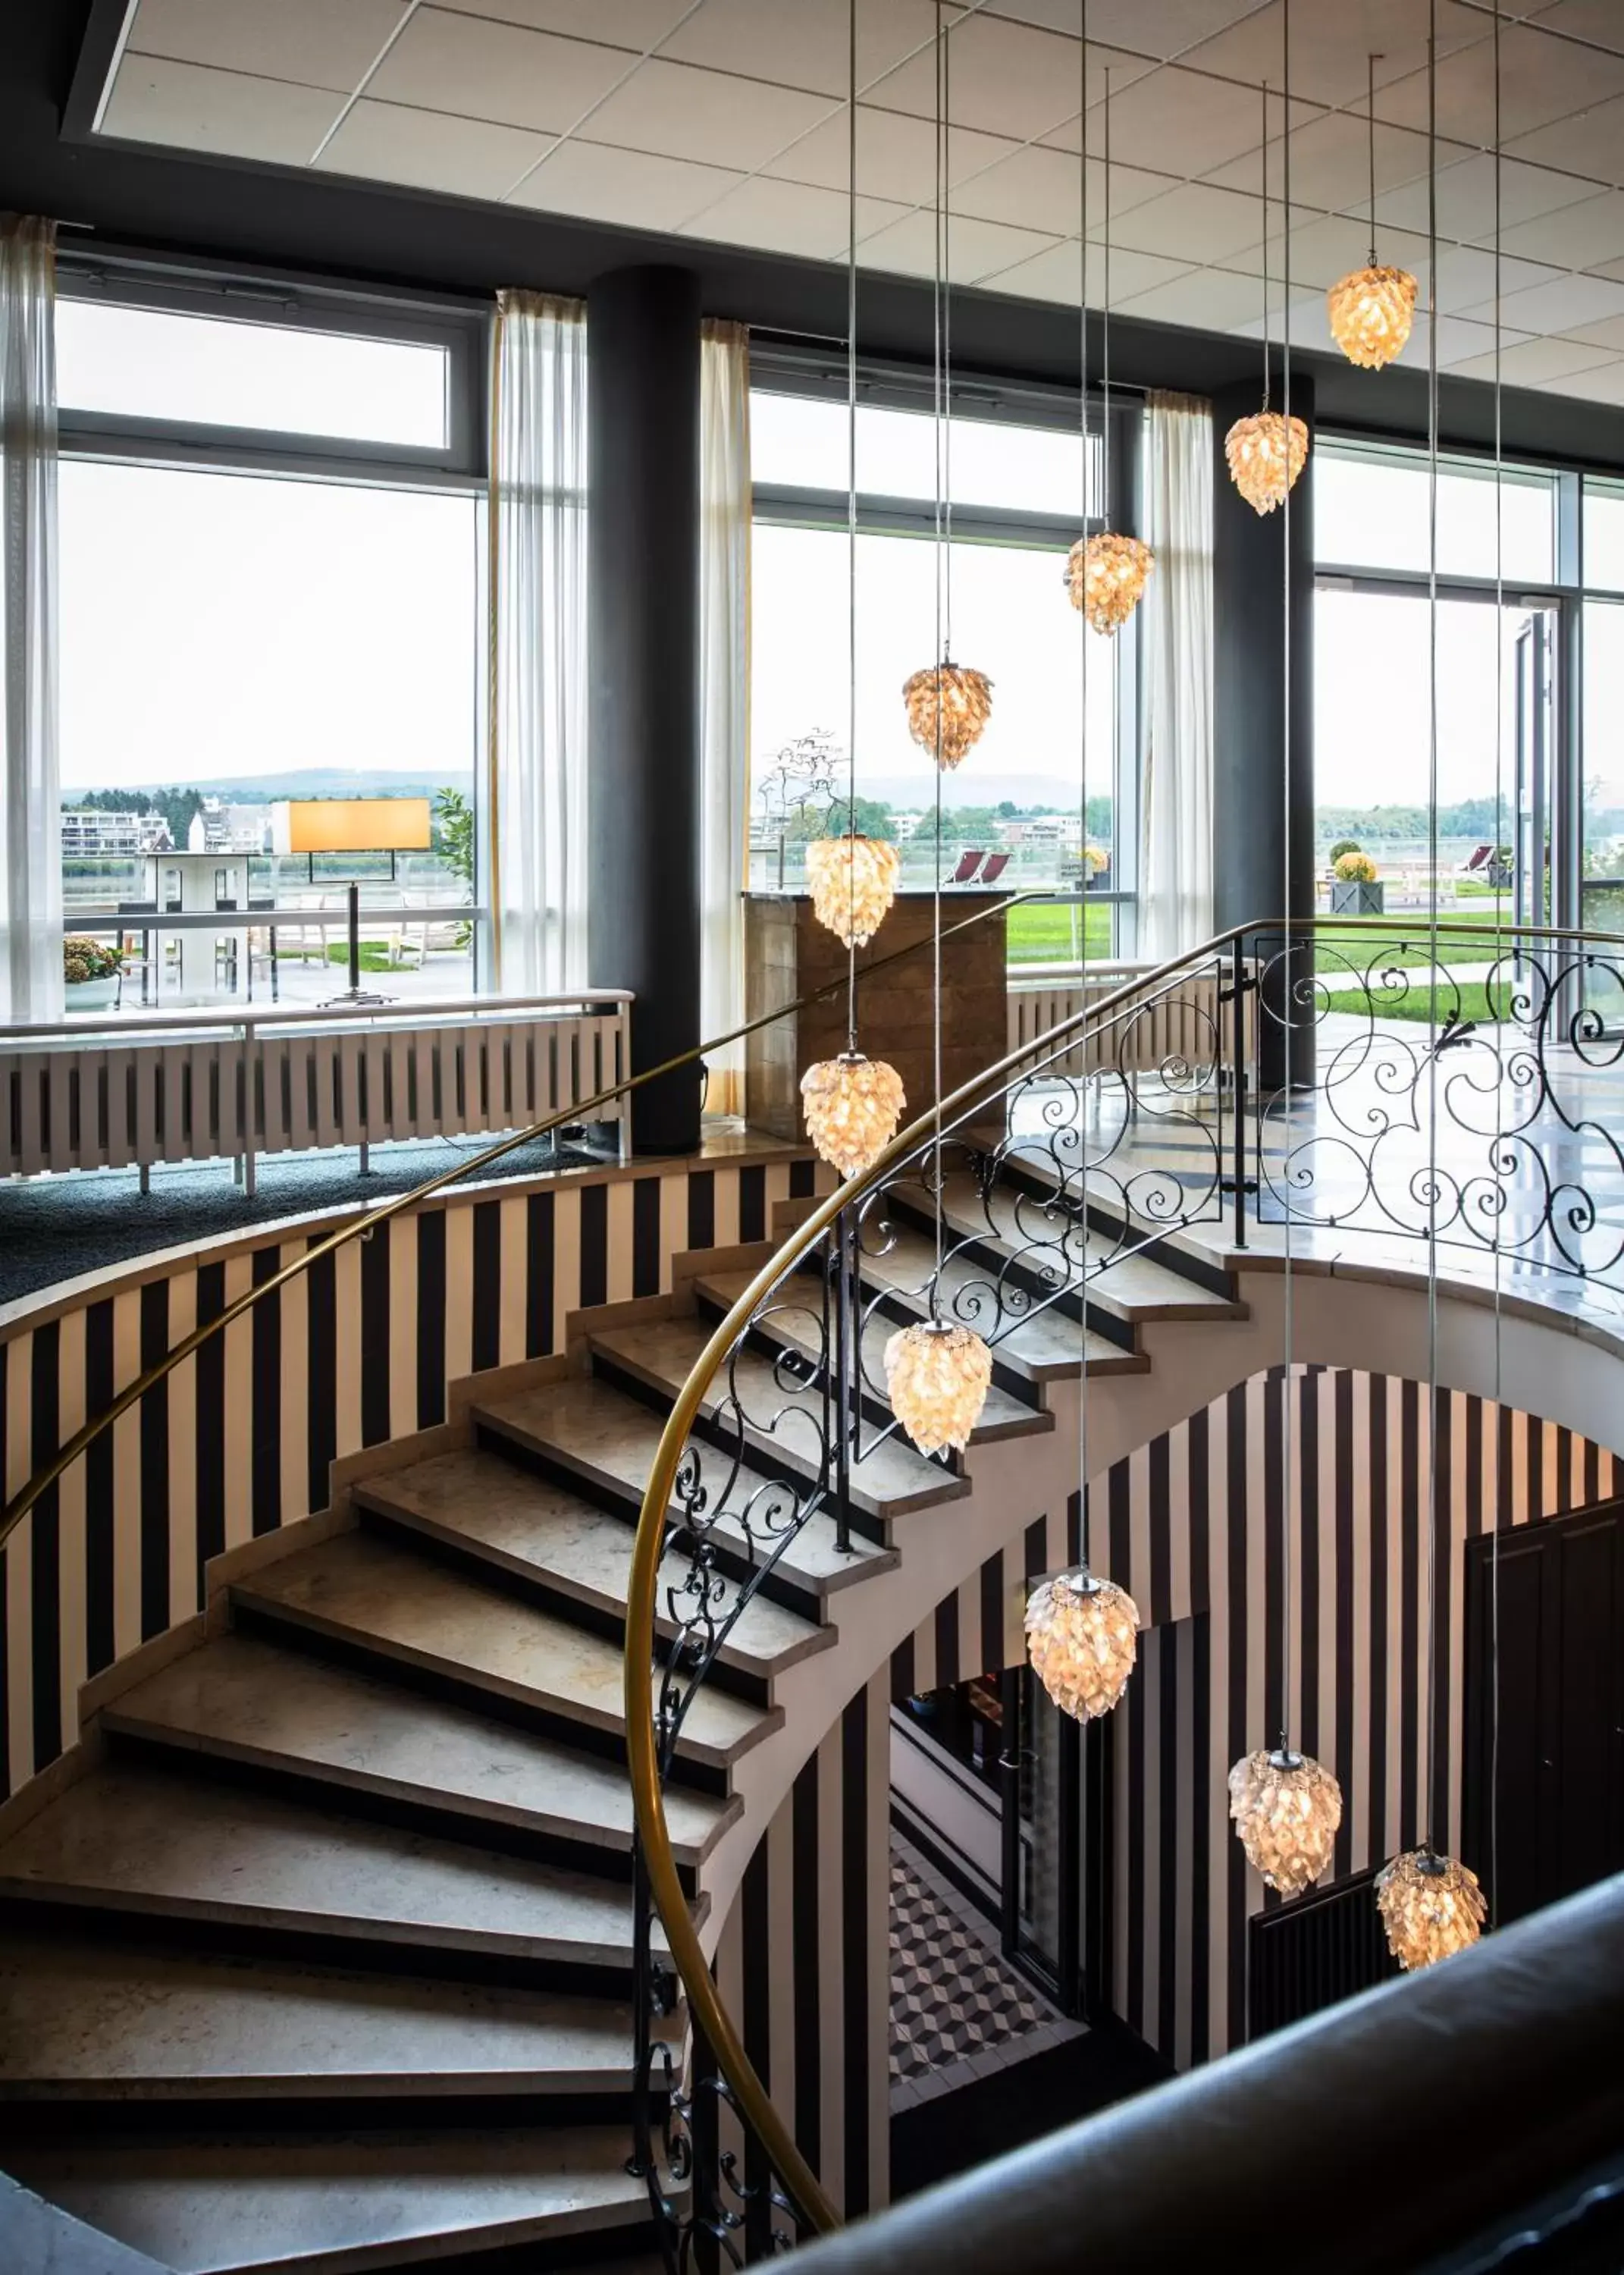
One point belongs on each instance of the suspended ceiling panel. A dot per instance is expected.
(726, 120)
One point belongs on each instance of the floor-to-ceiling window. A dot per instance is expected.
(1019, 811)
(271, 559)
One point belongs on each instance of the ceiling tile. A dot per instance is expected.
(802, 42)
(1530, 363)
(466, 157)
(444, 62)
(627, 187)
(1466, 278)
(1327, 249)
(194, 108)
(1199, 123)
(1604, 384)
(1541, 79)
(1037, 188)
(1586, 236)
(1192, 222)
(311, 41)
(897, 155)
(1458, 340)
(1331, 45)
(1212, 299)
(1161, 28)
(1466, 198)
(1053, 275)
(1330, 163)
(790, 218)
(1602, 332)
(635, 24)
(1591, 142)
(1561, 306)
(975, 249)
(1309, 325)
(1599, 22)
(682, 112)
(1008, 77)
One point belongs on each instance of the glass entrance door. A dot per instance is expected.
(1042, 1847)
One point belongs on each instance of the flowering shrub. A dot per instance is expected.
(87, 959)
(1095, 858)
(1355, 869)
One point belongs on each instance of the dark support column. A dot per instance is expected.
(1263, 782)
(642, 629)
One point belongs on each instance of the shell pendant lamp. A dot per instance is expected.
(1372, 309)
(1267, 450)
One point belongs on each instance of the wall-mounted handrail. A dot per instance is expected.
(750, 2098)
(361, 1227)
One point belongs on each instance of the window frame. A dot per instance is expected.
(460, 330)
(1565, 594)
(775, 370)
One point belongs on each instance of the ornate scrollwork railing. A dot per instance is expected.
(1474, 1100)
(1273, 1076)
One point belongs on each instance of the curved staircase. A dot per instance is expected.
(324, 1962)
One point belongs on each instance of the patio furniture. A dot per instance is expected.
(969, 863)
(996, 864)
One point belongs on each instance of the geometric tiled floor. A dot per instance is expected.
(956, 2006)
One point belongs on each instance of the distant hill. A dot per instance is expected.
(298, 782)
(908, 792)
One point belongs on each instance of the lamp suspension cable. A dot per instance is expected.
(1082, 630)
(1500, 1046)
(1264, 94)
(1289, 1495)
(851, 530)
(944, 596)
(1369, 126)
(1430, 1902)
(1287, 1808)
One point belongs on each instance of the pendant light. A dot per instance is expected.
(853, 1105)
(937, 1374)
(1372, 309)
(1083, 1632)
(948, 704)
(1285, 1807)
(1431, 1905)
(1268, 451)
(1106, 573)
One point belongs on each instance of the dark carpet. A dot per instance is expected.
(56, 1227)
(1017, 2104)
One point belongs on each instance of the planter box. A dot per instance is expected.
(91, 994)
(1352, 897)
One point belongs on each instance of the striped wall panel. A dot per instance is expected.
(804, 1960)
(1191, 1524)
(239, 1440)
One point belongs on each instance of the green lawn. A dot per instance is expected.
(374, 956)
(1043, 932)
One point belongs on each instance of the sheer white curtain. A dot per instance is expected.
(536, 809)
(1175, 871)
(724, 695)
(30, 828)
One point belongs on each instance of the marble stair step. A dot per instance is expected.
(1045, 1345)
(135, 1841)
(796, 1323)
(892, 1479)
(1134, 1288)
(242, 1699)
(517, 1522)
(600, 1434)
(268, 2205)
(407, 1609)
(85, 2020)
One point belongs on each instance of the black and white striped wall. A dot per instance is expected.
(1192, 1525)
(240, 1438)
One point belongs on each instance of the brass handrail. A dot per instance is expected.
(363, 1227)
(750, 2096)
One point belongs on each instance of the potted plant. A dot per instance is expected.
(1096, 861)
(89, 972)
(1355, 891)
